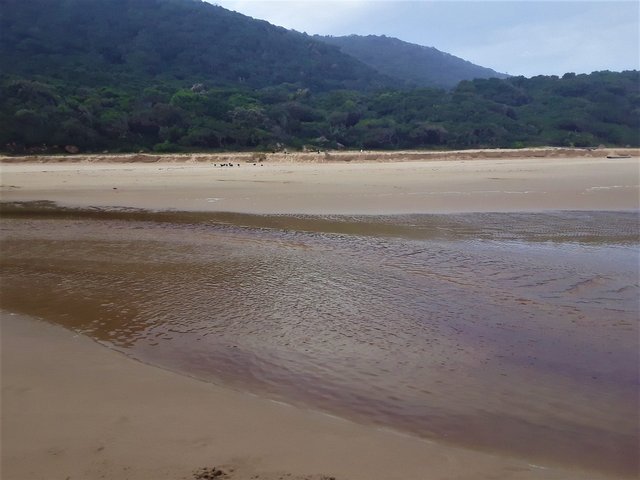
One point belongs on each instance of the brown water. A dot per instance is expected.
(509, 332)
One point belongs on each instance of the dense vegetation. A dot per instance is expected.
(107, 42)
(575, 110)
(416, 65)
(170, 75)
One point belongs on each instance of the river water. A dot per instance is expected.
(515, 333)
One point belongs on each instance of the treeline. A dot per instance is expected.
(171, 75)
(575, 110)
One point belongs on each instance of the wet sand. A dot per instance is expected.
(72, 409)
(435, 186)
(522, 343)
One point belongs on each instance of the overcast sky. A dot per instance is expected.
(515, 37)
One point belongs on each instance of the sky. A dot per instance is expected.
(544, 37)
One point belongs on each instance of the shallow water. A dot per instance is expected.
(473, 329)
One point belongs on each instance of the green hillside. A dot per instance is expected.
(576, 110)
(414, 64)
(106, 42)
(182, 75)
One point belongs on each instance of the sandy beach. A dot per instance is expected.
(459, 184)
(73, 409)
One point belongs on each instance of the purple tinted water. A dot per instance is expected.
(519, 346)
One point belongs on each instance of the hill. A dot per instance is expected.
(104, 42)
(575, 110)
(415, 64)
(183, 75)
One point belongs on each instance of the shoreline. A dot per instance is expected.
(80, 410)
(585, 227)
(97, 414)
(322, 157)
(402, 187)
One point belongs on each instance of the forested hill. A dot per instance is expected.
(183, 75)
(106, 42)
(416, 65)
(574, 110)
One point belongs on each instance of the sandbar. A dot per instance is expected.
(451, 185)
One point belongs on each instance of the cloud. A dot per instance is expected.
(593, 37)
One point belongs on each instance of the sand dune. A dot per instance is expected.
(329, 156)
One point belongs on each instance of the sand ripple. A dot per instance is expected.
(528, 347)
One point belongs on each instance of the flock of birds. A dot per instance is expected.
(231, 164)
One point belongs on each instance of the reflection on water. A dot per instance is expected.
(519, 346)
